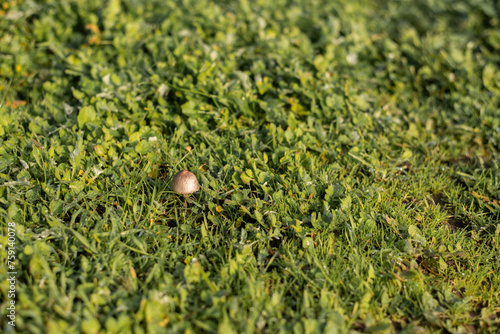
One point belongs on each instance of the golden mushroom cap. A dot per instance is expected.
(185, 183)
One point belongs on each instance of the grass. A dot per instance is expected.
(348, 156)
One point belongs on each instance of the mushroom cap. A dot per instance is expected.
(184, 183)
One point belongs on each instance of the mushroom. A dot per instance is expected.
(184, 183)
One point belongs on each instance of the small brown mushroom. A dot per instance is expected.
(184, 183)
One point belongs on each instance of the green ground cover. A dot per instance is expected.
(348, 154)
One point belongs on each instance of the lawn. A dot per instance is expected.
(348, 154)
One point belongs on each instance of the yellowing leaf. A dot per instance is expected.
(245, 210)
(245, 178)
(92, 27)
(442, 264)
(153, 173)
(258, 216)
(15, 104)
(407, 155)
(415, 233)
(132, 272)
(143, 147)
(86, 115)
(99, 150)
(489, 75)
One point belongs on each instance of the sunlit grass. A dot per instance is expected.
(347, 154)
